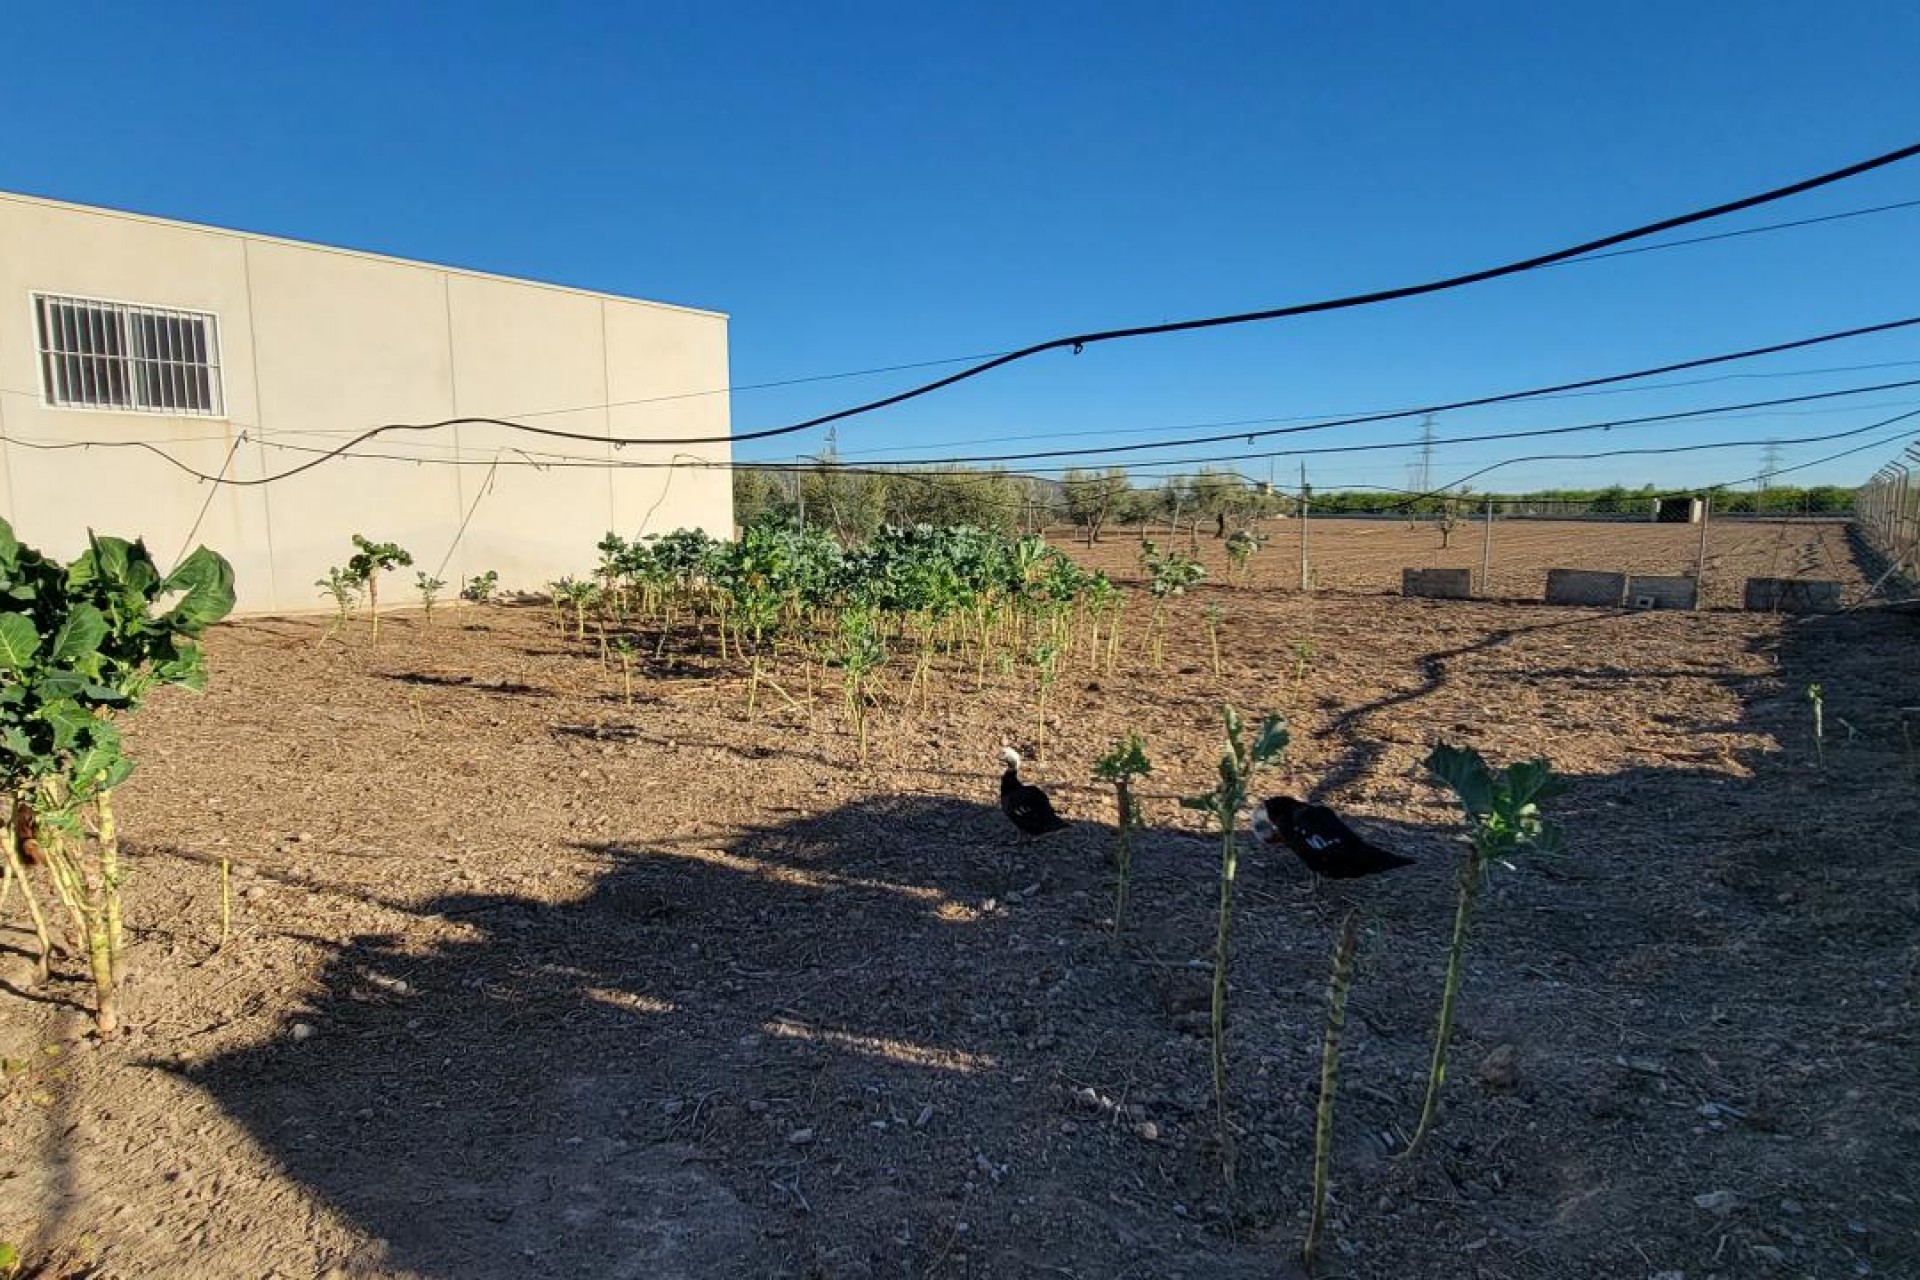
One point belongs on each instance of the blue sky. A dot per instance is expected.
(863, 185)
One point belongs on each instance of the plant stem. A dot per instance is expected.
(1343, 953)
(17, 871)
(110, 878)
(1123, 852)
(226, 901)
(1229, 866)
(1470, 876)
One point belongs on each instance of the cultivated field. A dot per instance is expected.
(528, 981)
(1368, 555)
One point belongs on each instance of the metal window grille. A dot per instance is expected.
(109, 355)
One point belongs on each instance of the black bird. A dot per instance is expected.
(1027, 807)
(1328, 846)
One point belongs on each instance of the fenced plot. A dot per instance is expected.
(1370, 555)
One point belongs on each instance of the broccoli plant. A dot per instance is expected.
(1120, 766)
(861, 652)
(79, 646)
(481, 589)
(429, 588)
(1503, 818)
(577, 594)
(1171, 574)
(1223, 805)
(1303, 655)
(368, 562)
(341, 586)
(1241, 545)
(1046, 672)
(1337, 984)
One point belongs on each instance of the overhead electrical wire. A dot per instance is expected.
(1079, 342)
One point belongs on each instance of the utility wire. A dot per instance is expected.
(1079, 342)
(321, 456)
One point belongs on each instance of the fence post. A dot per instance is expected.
(1700, 564)
(1486, 548)
(1306, 494)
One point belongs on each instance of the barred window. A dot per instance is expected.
(109, 355)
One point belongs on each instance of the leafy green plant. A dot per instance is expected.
(1502, 818)
(576, 594)
(1170, 575)
(861, 653)
(1126, 761)
(481, 589)
(429, 589)
(624, 651)
(1241, 545)
(345, 592)
(1223, 805)
(1344, 949)
(80, 645)
(1303, 655)
(1814, 696)
(1046, 671)
(370, 560)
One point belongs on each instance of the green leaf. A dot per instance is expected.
(207, 579)
(19, 641)
(57, 686)
(1462, 769)
(79, 635)
(9, 546)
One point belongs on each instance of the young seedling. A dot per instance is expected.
(1223, 805)
(429, 589)
(1303, 654)
(576, 594)
(345, 591)
(1337, 985)
(861, 652)
(369, 561)
(1120, 766)
(1503, 818)
(1046, 668)
(481, 589)
(623, 650)
(1240, 548)
(1819, 725)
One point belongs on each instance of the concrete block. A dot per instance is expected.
(1438, 584)
(1652, 592)
(1793, 595)
(1586, 586)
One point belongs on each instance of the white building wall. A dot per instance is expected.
(319, 343)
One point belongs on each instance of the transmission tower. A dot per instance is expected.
(1426, 456)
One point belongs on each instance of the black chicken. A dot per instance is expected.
(1027, 807)
(1328, 846)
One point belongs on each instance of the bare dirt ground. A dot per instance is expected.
(1368, 555)
(531, 982)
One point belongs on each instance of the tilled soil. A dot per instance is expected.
(531, 981)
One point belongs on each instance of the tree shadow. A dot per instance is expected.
(1361, 755)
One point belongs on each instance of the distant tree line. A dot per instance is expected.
(856, 504)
